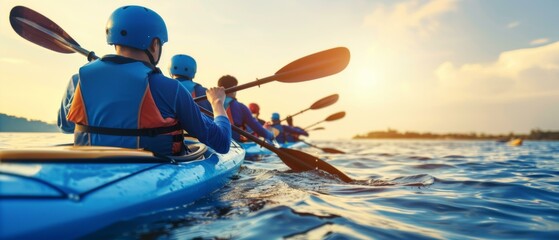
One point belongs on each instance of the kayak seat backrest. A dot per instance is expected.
(195, 152)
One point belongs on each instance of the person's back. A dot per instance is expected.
(183, 68)
(284, 130)
(294, 137)
(239, 114)
(124, 101)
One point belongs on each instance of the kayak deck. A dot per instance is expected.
(65, 198)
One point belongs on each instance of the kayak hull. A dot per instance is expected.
(92, 196)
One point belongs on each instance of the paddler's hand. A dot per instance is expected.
(216, 97)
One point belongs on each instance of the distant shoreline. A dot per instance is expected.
(535, 134)
(10, 123)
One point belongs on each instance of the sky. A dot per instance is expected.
(428, 66)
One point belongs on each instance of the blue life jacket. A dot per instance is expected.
(113, 106)
(196, 90)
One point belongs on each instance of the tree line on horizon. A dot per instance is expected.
(10, 123)
(535, 134)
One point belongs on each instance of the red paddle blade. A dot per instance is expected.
(335, 116)
(325, 102)
(40, 30)
(315, 66)
(332, 150)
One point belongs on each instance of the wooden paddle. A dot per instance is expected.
(316, 129)
(322, 103)
(317, 65)
(42, 31)
(333, 117)
(298, 161)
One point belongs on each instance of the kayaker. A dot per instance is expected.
(239, 114)
(294, 137)
(183, 68)
(123, 100)
(255, 110)
(285, 130)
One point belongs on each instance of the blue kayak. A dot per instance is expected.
(253, 150)
(67, 192)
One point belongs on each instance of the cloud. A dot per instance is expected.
(522, 73)
(410, 16)
(539, 41)
(512, 25)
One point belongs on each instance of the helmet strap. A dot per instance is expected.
(151, 59)
(150, 56)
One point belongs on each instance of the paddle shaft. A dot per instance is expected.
(322, 103)
(260, 142)
(307, 68)
(296, 114)
(314, 124)
(246, 85)
(333, 117)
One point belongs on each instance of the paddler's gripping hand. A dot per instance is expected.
(216, 97)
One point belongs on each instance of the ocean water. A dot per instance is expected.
(404, 189)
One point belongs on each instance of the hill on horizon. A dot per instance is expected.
(10, 123)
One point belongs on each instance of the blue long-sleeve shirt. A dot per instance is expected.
(242, 117)
(285, 131)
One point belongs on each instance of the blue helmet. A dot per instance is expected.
(183, 65)
(135, 26)
(275, 116)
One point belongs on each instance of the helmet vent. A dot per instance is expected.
(123, 32)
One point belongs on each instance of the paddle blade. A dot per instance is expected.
(332, 150)
(40, 30)
(325, 102)
(308, 162)
(317, 128)
(335, 116)
(315, 66)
